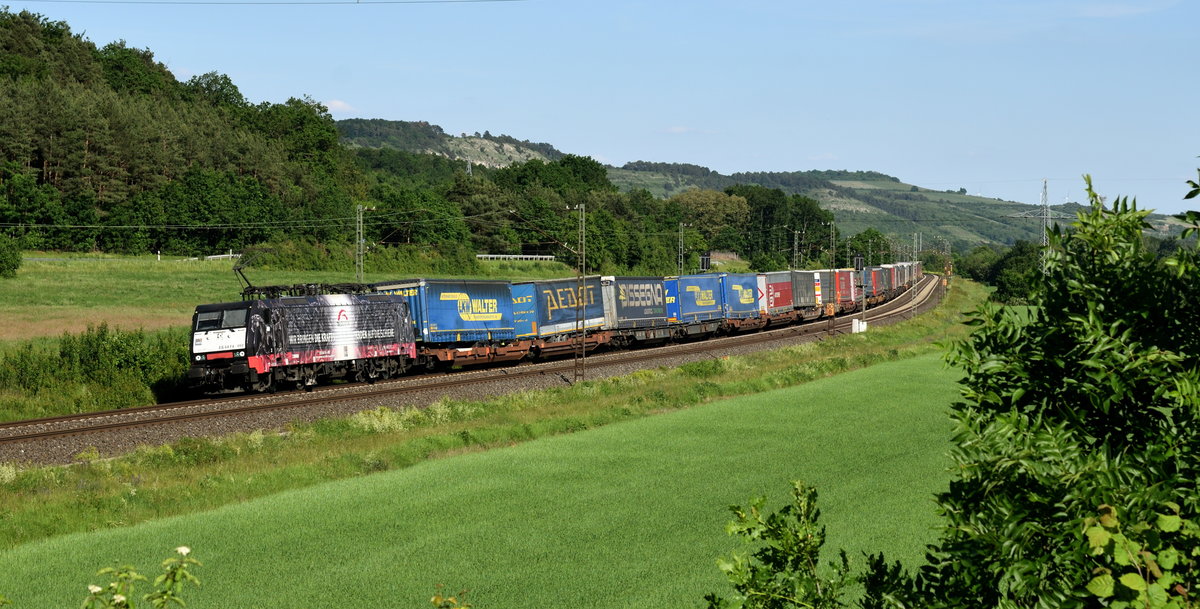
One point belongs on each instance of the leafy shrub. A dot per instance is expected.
(10, 257)
(784, 569)
(1148, 564)
(98, 369)
(1089, 398)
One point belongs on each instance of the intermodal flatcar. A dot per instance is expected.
(384, 329)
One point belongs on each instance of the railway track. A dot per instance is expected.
(23, 438)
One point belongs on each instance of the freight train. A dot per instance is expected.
(301, 336)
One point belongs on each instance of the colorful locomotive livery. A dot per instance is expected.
(384, 329)
(255, 344)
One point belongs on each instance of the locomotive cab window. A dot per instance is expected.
(235, 318)
(213, 320)
(208, 321)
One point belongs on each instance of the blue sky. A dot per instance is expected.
(988, 95)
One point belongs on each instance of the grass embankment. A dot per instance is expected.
(200, 474)
(628, 515)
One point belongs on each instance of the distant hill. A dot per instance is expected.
(422, 137)
(858, 199)
(866, 199)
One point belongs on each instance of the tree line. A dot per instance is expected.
(103, 149)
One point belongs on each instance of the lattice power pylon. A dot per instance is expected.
(1045, 214)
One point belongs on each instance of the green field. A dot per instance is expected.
(628, 515)
(53, 293)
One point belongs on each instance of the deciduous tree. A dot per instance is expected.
(1088, 400)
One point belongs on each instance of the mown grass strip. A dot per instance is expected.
(628, 515)
(199, 474)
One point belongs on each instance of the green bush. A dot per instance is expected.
(1087, 399)
(10, 257)
(98, 369)
(784, 570)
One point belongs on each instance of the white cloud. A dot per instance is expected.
(337, 105)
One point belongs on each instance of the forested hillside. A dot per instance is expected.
(859, 200)
(105, 141)
(102, 148)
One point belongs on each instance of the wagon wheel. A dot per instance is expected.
(400, 365)
(264, 384)
(308, 378)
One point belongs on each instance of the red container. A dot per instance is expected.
(780, 297)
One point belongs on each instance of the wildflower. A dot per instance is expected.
(183, 550)
(94, 589)
(118, 599)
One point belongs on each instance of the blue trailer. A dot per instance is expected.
(525, 311)
(457, 310)
(550, 308)
(671, 289)
(700, 298)
(740, 295)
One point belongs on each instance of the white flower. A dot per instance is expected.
(118, 599)
(183, 550)
(94, 589)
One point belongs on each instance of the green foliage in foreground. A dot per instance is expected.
(784, 570)
(1090, 398)
(119, 593)
(1147, 564)
(99, 369)
(634, 505)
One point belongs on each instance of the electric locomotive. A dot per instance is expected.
(300, 340)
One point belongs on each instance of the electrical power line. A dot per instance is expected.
(267, 2)
(340, 221)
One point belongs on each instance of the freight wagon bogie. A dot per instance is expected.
(308, 376)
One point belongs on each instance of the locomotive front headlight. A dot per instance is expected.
(240, 354)
(199, 358)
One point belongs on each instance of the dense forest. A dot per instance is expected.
(103, 149)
